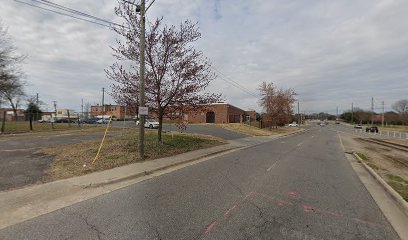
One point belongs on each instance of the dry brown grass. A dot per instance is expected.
(254, 131)
(69, 160)
(22, 127)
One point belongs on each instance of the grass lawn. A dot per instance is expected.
(117, 150)
(255, 131)
(399, 184)
(395, 128)
(20, 127)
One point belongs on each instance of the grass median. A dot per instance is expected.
(76, 159)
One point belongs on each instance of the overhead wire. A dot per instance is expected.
(61, 7)
(68, 12)
(225, 78)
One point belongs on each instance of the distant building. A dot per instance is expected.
(115, 111)
(10, 114)
(219, 113)
(66, 113)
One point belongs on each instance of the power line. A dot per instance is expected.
(101, 22)
(233, 83)
(61, 7)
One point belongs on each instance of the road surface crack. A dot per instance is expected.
(92, 227)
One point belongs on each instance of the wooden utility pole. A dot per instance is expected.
(372, 110)
(142, 80)
(352, 113)
(382, 117)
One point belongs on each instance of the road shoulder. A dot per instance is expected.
(390, 208)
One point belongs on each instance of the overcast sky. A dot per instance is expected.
(332, 53)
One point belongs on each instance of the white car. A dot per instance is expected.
(293, 124)
(149, 123)
(102, 121)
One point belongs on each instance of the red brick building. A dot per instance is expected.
(116, 111)
(220, 113)
(10, 114)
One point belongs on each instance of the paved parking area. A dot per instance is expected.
(21, 165)
(206, 129)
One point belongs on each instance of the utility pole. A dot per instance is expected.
(352, 113)
(38, 107)
(103, 101)
(82, 108)
(382, 118)
(55, 114)
(142, 80)
(55, 107)
(372, 110)
(298, 113)
(337, 113)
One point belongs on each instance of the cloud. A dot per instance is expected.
(331, 52)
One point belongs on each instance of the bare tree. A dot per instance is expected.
(401, 106)
(277, 103)
(11, 85)
(176, 73)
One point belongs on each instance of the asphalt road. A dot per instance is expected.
(300, 187)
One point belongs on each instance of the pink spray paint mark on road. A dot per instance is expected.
(293, 195)
(210, 228)
(308, 209)
(248, 195)
(284, 203)
(229, 211)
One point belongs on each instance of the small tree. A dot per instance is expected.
(277, 103)
(11, 86)
(33, 111)
(176, 73)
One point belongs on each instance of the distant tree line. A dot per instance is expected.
(397, 117)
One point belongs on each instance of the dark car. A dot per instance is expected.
(62, 120)
(372, 129)
(89, 121)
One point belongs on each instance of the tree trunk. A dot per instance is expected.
(159, 133)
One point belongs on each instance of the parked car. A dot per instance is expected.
(373, 129)
(294, 124)
(102, 121)
(89, 121)
(149, 123)
(62, 120)
(358, 126)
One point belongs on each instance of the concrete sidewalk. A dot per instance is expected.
(22, 204)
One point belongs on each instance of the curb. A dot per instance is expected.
(148, 172)
(400, 201)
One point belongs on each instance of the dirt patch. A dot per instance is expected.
(76, 159)
(389, 163)
(254, 131)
